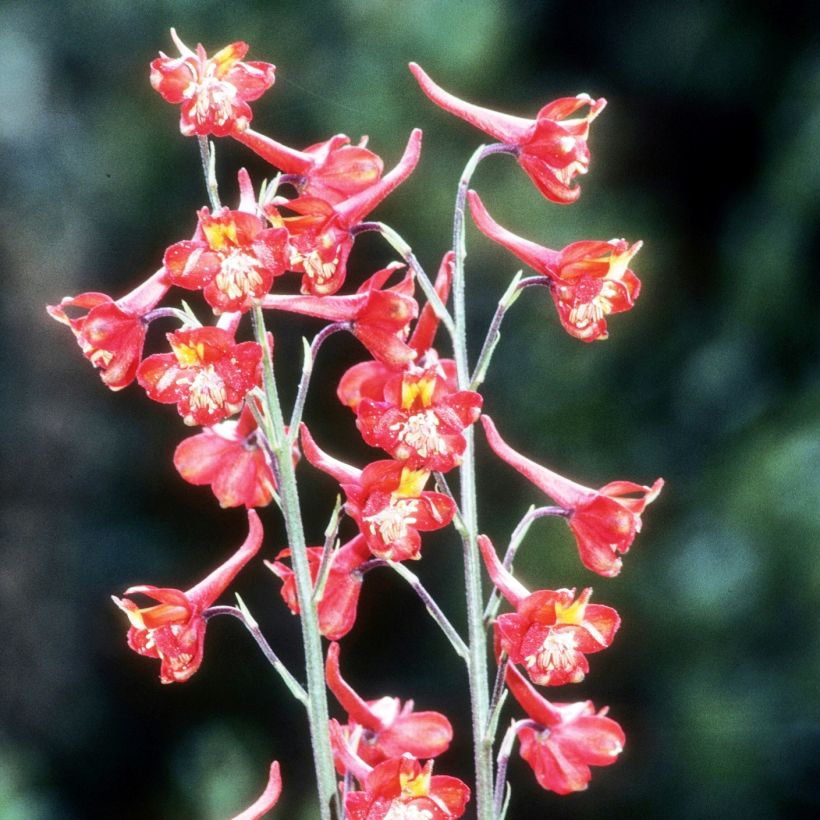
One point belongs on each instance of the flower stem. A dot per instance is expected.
(479, 682)
(433, 608)
(243, 615)
(311, 638)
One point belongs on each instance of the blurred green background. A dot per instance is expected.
(708, 151)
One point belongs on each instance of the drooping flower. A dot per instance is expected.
(233, 258)
(566, 740)
(213, 92)
(379, 317)
(550, 631)
(320, 232)
(268, 799)
(112, 334)
(387, 500)
(603, 521)
(368, 379)
(337, 606)
(552, 149)
(587, 280)
(173, 630)
(333, 170)
(207, 375)
(389, 729)
(403, 789)
(420, 420)
(229, 457)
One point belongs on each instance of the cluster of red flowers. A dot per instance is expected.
(406, 400)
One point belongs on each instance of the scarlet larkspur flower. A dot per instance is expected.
(229, 457)
(552, 149)
(403, 788)
(337, 606)
(389, 729)
(333, 170)
(233, 258)
(320, 233)
(368, 379)
(213, 92)
(587, 280)
(207, 376)
(268, 799)
(379, 317)
(112, 334)
(173, 630)
(387, 500)
(551, 631)
(603, 521)
(566, 740)
(421, 420)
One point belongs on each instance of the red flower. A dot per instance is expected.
(333, 170)
(207, 376)
(213, 92)
(112, 334)
(337, 607)
(587, 280)
(367, 379)
(229, 458)
(387, 500)
(380, 319)
(603, 521)
(267, 800)
(566, 740)
(402, 788)
(232, 258)
(174, 629)
(550, 632)
(421, 420)
(389, 729)
(551, 148)
(320, 233)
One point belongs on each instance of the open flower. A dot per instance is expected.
(320, 232)
(207, 375)
(213, 92)
(388, 728)
(268, 799)
(229, 457)
(550, 631)
(379, 317)
(562, 740)
(387, 500)
(603, 521)
(173, 630)
(587, 280)
(333, 170)
(112, 334)
(337, 607)
(233, 258)
(421, 420)
(403, 788)
(552, 149)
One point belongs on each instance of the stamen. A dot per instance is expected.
(239, 276)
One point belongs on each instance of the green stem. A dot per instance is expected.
(479, 682)
(311, 638)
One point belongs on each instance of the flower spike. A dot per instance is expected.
(551, 149)
(173, 630)
(604, 521)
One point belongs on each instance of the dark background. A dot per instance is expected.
(707, 151)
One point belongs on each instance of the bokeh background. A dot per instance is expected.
(708, 151)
